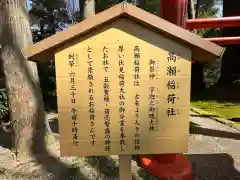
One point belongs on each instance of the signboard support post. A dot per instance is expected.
(125, 167)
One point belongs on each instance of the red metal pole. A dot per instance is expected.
(174, 11)
(225, 40)
(213, 22)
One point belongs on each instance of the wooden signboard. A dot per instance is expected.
(123, 84)
(123, 90)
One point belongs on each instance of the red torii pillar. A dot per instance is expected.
(170, 166)
(174, 11)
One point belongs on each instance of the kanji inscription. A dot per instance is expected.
(127, 95)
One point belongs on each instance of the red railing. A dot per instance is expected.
(175, 11)
(225, 40)
(201, 23)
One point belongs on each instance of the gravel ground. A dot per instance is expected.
(214, 150)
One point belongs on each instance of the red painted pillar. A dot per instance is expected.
(174, 11)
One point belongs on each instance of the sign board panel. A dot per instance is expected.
(123, 89)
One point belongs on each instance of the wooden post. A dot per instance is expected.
(125, 167)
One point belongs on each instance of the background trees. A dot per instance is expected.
(51, 17)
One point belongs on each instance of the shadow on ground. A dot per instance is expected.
(54, 125)
(210, 167)
(235, 119)
(205, 166)
(213, 167)
(204, 115)
(196, 129)
(221, 92)
(6, 139)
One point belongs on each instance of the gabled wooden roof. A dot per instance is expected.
(202, 50)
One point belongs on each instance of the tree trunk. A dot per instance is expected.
(89, 9)
(21, 77)
(191, 11)
(197, 8)
(86, 9)
(81, 9)
(197, 84)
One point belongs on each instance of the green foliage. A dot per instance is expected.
(3, 103)
(207, 9)
(221, 111)
(54, 17)
(209, 4)
(152, 6)
(47, 78)
(208, 32)
(54, 9)
(102, 5)
(212, 73)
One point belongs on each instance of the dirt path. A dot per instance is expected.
(214, 150)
